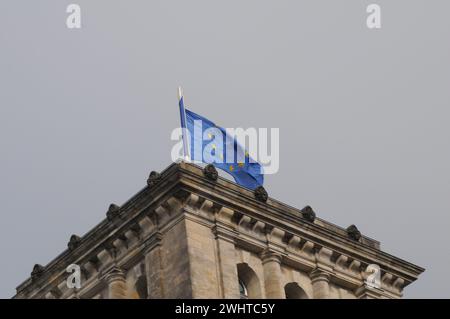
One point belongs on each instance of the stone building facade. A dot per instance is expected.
(192, 234)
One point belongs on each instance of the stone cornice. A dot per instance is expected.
(234, 215)
(275, 213)
(103, 233)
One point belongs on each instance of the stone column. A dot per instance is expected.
(272, 275)
(320, 280)
(117, 288)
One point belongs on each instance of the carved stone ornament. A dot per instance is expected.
(153, 178)
(353, 232)
(308, 214)
(210, 172)
(113, 212)
(261, 194)
(38, 270)
(73, 242)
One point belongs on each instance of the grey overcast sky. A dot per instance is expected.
(363, 114)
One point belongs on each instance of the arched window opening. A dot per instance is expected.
(249, 285)
(141, 287)
(294, 291)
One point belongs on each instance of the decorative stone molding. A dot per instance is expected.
(37, 272)
(287, 238)
(275, 236)
(268, 229)
(292, 241)
(94, 261)
(353, 232)
(115, 277)
(323, 257)
(136, 229)
(258, 228)
(319, 274)
(308, 214)
(155, 240)
(113, 212)
(224, 227)
(114, 274)
(182, 195)
(368, 292)
(268, 255)
(76, 295)
(153, 179)
(386, 279)
(208, 209)
(49, 295)
(307, 249)
(355, 267)
(320, 280)
(398, 284)
(84, 272)
(236, 218)
(342, 262)
(210, 172)
(226, 216)
(148, 223)
(122, 238)
(261, 194)
(167, 210)
(54, 293)
(74, 242)
(194, 201)
(112, 250)
(162, 215)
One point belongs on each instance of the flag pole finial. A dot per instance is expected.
(180, 93)
(183, 124)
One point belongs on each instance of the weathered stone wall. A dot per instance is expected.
(176, 279)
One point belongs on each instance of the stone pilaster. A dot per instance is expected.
(115, 279)
(272, 275)
(226, 254)
(320, 280)
(153, 267)
(227, 268)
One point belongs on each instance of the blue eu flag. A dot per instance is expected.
(212, 144)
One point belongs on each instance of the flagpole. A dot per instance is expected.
(183, 124)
